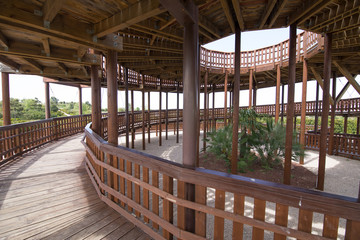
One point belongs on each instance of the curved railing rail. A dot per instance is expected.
(307, 45)
(17, 139)
(150, 192)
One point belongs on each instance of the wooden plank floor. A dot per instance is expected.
(46, 194)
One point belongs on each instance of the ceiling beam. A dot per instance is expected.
(51, 9)
(46, 46)
(209, 26)
(63, 67)
(239, 17)
(13, 65)
(320, 81)
(276, 11)
(3, 40)
(307, 10)
(269, 7)
(34, 64)
(228, 14)
(181, 11)
(135, 13)
(348, 75)
(168, 23)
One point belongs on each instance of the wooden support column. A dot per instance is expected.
(282, 103)
(358, 126)
(112, 87)
(177, 111)
(250, 87)
(317, 108)
(143, 117)
(254, 95)
(190, 113)
(47, 101)
(236, 93)
(160, 119)
(127, 126)
(290, 104)
(277, 99)
(205, 109)
(225, 98)
(166, 115)
(325, 111)
(80, 101)
(112, 91)
(303, 108)
(132, 120)
(149, 120)
(95, 100)
(332, 122)
(213, 109)
(6, 98)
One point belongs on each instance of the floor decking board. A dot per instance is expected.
(46, 194)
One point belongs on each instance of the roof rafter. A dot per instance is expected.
(276, 11)
(228, 14)
(3, 40)
(269, 7)
(34, 64)
(51, 9)
(138, 12)
(10, 63)
(239, 17)
(309, 8)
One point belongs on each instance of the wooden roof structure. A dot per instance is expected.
(61, 39)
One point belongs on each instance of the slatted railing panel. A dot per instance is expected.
(264, 208)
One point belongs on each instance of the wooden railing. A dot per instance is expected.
(150, 192)
(17, 139)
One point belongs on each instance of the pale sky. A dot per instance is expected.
(29, 86)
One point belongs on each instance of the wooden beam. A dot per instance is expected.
(320, 81)
(13, 65)
(51, 9)
(276, 11)
(63, 67)
(306, 10)
(182, 11)
(34, 64)
(342, 92)
(269, 7)
(348, 75)
(239, 17)
(168, 23)
(46, 46)
(3, 40)
(135, 13)
(209, 26)
(228, 14)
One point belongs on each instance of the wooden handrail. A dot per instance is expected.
(304, 200)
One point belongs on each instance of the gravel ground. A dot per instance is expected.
(342, 177)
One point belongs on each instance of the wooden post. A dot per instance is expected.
(345, 124)
(325, 111)
(160, 120)
(316, 108)
(95, 100)
(254, 95)
(332, 122)
(47, 101)
(250, 87)
(149, 120)
(213, 109)
(127, 127)
(80, 101)
(177, 111)
(303, 108)
(358, 126)
(143, 117)
(132, 120)
(277, 99)
(205, 109)
(290, 104)
(112, 88)
(166, 115)
(225, 98)
(282, 103)
(190, 115)
(235, 136)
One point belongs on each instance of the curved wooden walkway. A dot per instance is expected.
(47, 194)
